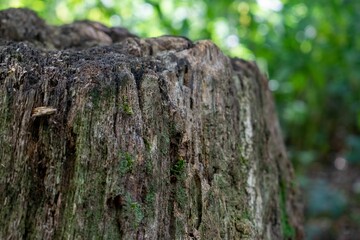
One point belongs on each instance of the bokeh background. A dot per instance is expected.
(310, 51)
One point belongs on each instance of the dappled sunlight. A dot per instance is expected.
(274, 5)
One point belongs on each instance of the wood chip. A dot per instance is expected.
(43, 111)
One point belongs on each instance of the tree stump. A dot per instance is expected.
(104, 135)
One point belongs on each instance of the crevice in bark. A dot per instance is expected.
(138, 72)
(119, 204)
(182, 72)
(198, 200)
(117, 104)
(163, 90)
(37, 169)
(176, 170)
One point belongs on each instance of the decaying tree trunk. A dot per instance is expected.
(104, 135)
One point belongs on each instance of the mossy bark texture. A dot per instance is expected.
(104, 135)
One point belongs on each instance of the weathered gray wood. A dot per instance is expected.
(157, 138)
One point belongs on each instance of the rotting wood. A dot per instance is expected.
(159, 138)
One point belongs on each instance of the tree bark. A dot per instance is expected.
(104, 135)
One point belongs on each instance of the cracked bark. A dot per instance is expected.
(158, 138)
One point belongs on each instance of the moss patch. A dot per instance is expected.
(126, 108)
(178, 168)
(149, 201)
(126, 163)
(133, 211)
(287, 229)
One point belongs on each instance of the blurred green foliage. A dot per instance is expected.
(324, 200)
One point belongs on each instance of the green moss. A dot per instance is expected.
(164, 151)
(138, 213)
(101, 95)
(181, 197)
(149, 201)
(126, 162)
(95, 97)
(93, 217)
(68, 216)
(149, 166)
(178, 168)
(164, 143)
(287, 229)
(150, 197)
(177, 171)
(133, 211)
(126, 108)
(246, 215)
(243, 161)
(179, 229)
